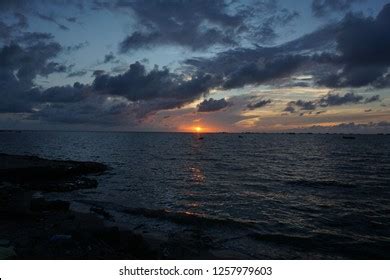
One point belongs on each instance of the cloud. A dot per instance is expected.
(350, 53)
(212, 105)
(337, 100)
(28, 5)
(352, 127)
(8, 31)
(109, 57)
(98, 73)
(71, 19)
(259, 73)
(136, 93)
(30, 38)
(374, 98)
(194, 24)
(52, 20)
(19, 66)
(77, 47)
(266, 32)
(93, 109)
(77, 73)
(63, 94)
(330, 99)
(335, 55)
(321, 8)
(22, 20)
(259, 104)
(364, 61)
(259, 65)
(289, 109)
(139, 84)
(199, 25)
(303, 105)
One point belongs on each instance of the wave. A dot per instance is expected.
(320, 184)
(340, 245)
(177, 217)
(187, 218)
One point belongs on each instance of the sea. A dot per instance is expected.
(262, 196)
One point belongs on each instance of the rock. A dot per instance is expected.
(7, 253)
(60, 238)
(4, 243)
(13, 167)
(40, 204)
(79, 183)
(110, 235)
(100, 211)
(14, 203)
(35, 173)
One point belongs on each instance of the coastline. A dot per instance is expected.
(35, 228)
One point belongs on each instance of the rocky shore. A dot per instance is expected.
(36, 228)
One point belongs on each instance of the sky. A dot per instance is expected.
(195, 65)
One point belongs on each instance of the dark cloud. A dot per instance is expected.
(289, 109)
(371, 127)
(97, 73)
(72, 19)
(259, 104)
(374, 98)
(336, 56)
(77, 47)
(266, 32)
(93, 109)
(331, 99)
(52, 20)
(336, 99)
(8, 31)
(303, 105)
(212, 105)
(22, 20)
(29, 5)
(63, 94)
(109, 57)
(187, 23)
(132, 95)
(138, 84)
(19, 66)
(258, 73)
(262, 64)
(31, 38)
(201, 24)
(5, 31)
(322, 8)
(364, 61)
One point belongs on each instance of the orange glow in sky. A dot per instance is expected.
(197, 129)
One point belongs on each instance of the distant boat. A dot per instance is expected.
(349, 137)
(200, 138)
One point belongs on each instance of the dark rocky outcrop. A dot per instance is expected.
(34, 173)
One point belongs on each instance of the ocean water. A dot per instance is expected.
(261, 195)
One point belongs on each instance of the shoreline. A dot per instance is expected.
(36, 228)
